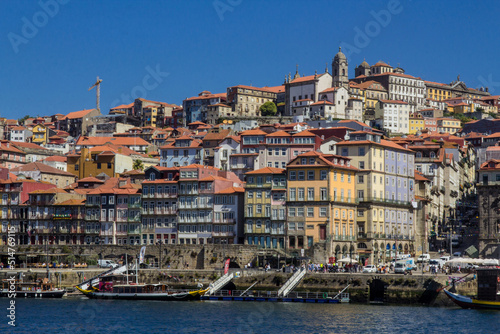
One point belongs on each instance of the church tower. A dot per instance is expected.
(340, 70)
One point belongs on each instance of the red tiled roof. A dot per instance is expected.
(43, 168)
(253, 132)
(304, 133)
(209, 96)
(267, 170)
(124, 106)
(279, 133)
(307, 78)
(78, 114)
(122, 141)
(381, 64)
(324, 102)
(420, 177)
(56, 158)
(231, 190)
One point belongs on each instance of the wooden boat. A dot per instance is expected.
(40, 289)
(118, 287)
(488, 291)
(142, 292)
(467, 302)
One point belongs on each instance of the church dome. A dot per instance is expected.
(364, 64)
(340, 55)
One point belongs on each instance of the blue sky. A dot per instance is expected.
(191, 46)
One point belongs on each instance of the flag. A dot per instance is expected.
(29, 233)
(141, 255)
(226, 266)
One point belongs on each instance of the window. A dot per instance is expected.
(291, 212)
(310, 175)
(301, 175)
(323, 174)
(361, 165)
(292, 194)
(300, 212)
(310, 212)
(323, 194)
(361, 179)
(361, 194)
(250, 194)
(111, 199)
(322, 212)
(98, 165)
(301, 194)
(292, 176)
(361, 151)
(310, 194)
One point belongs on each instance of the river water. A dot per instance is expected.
(80, 315)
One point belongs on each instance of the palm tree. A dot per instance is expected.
(138, 165)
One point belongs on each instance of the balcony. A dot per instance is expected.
(225, 221)
(382, 200)
(87, 204)
(134, 205)
(339, 237)
(134, 232)
(107, 233)
(223, 234)
(136, 218)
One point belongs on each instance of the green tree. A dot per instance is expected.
(22, 120)
(268, 109)
(138, 165)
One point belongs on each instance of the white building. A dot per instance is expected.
(20, 134)
(222, 153)
(305, 88)
(395, 115)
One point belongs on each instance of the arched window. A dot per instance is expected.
(343, 71)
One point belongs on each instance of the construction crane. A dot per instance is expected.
(98, 93)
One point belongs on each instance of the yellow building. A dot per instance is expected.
(417, 123)
(321, 203)
(448, 125)
(150, 116)
(40, 134)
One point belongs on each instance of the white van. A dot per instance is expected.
(107, 264)
(424, 258)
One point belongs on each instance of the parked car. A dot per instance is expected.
(457, 254)
(370, 269)
(424, 258)
(107, 263)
